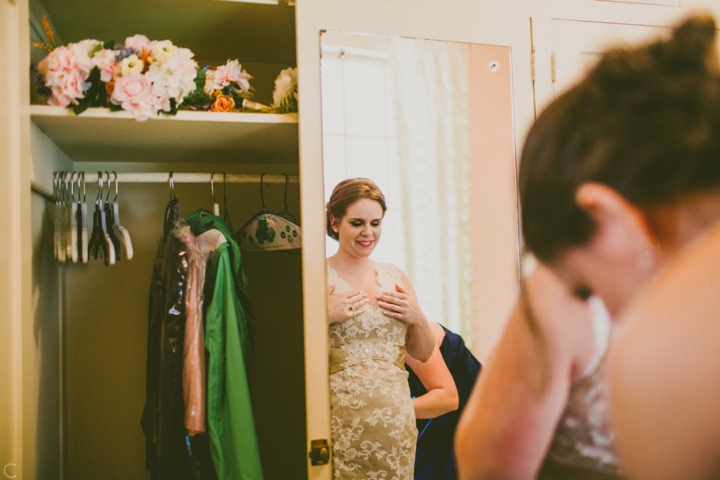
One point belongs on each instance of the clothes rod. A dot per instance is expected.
(183, 177)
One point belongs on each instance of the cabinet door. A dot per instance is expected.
(462, 21)
(578, 45)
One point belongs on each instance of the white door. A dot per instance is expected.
(453, 21)
(577, 46)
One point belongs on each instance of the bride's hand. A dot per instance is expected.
(344, 306)
(401, 305)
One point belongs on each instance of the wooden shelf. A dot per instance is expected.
(98, 135)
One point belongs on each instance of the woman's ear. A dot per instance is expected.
(620, 225)
(333, 223)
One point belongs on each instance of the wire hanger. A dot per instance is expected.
(171, 184)
(216, 207)
(285, 208)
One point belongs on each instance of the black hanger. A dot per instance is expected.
(74, 208)
(83, 245)
(285, 208)
(226, 212)
(100, 240)
(110, 220)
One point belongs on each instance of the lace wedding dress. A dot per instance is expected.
(373, 421)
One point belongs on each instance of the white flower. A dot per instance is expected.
(164, 50)
(84, 52)
(105, 61)
(131, 65)
(209, 82)
(285, 85)
(174, 78)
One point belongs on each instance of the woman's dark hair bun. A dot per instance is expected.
(694, 39)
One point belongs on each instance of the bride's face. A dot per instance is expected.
(359, 230)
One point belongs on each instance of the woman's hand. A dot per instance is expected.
(344, 306)
(401, 305)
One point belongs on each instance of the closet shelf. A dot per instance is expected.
(98, 135)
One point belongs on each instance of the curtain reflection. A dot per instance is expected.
(396, 110)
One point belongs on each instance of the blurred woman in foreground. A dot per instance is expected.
(620, 189)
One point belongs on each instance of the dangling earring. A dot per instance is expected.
(645, 261)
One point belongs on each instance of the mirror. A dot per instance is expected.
(431, 124)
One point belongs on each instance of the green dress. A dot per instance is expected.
(229, 332)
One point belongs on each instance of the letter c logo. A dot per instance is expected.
(5, 470)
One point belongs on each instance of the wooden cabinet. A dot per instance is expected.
(77, 334)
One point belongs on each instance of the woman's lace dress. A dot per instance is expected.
(584, 442)
(372, 416)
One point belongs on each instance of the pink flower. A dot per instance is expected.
(230, 72)
(133, 94)
(73, 86)
(130, 89)
(105, 61)
(137, 42)
(61, 60)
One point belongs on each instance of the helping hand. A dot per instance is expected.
(344, 306)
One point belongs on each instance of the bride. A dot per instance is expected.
(374, 319)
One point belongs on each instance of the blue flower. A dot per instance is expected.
(124, 53)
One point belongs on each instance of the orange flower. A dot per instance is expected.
(223, 104)
(48, 31)
(110, 87)
(144, 56)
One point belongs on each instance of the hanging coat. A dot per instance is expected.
(170, 453)
(163, 416)
(229, 332)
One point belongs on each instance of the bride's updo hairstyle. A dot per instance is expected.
(645, 122)
(348, 192)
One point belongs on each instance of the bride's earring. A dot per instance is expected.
(645, 261)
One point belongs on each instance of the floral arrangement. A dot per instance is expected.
(224, 89)
(143, 77)
(147, 78)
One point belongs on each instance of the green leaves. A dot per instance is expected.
(95, 96)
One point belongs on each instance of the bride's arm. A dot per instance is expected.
(403, 305)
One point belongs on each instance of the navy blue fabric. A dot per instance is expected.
(435, 455)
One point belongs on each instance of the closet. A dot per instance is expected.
(89, 322)
(73, 339)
